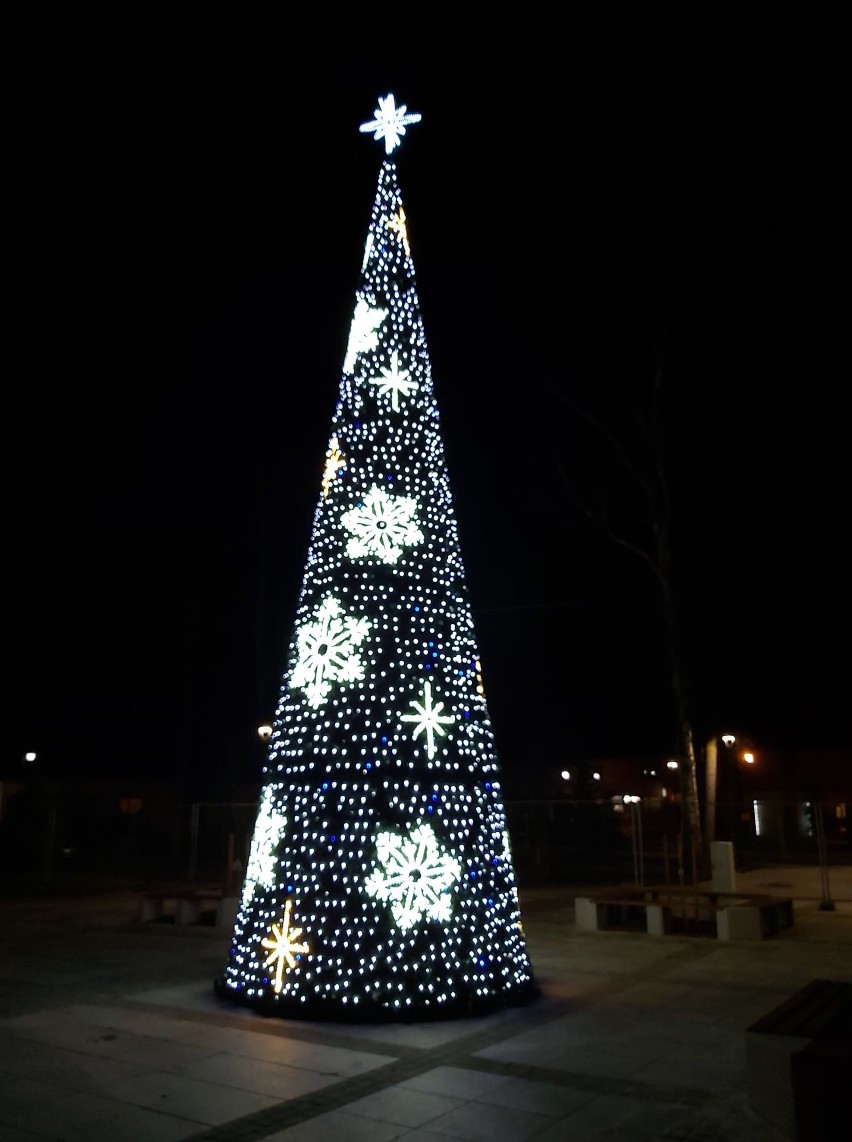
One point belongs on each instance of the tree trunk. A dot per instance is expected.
(692, 847)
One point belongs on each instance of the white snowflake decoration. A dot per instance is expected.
(368, 249)
(362, 332)
(415, 877)
(390, 122)
(268, 831)
(382, 525)
(394, 381)
(429, 719)
(326, 651)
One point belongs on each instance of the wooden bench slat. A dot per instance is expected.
(810, 1012)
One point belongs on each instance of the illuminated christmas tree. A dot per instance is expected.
(380, 882)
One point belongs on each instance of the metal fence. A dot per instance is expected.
(52, 840)
(633, 841)
(589, 842)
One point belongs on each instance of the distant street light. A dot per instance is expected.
(264, 732)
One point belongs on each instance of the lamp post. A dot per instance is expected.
(48, 797)
(711, 757)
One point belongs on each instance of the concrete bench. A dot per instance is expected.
(184, 906)
(626, 913)
(799, 1062)
(680, 911)
(753, 917)
(734, 916)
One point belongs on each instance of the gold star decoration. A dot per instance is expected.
(283, 947)
(397, 224)
(333, 463)
(480, 688)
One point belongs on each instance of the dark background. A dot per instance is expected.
(186, 238)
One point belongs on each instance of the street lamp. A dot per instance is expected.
(712, 779)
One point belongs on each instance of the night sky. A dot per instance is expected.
(187, 253)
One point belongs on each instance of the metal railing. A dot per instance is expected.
(556, 840)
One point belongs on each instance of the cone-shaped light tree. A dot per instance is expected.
(380, 882)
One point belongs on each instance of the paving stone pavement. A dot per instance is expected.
(110, 1030)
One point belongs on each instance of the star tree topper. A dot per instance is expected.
(390, 122)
